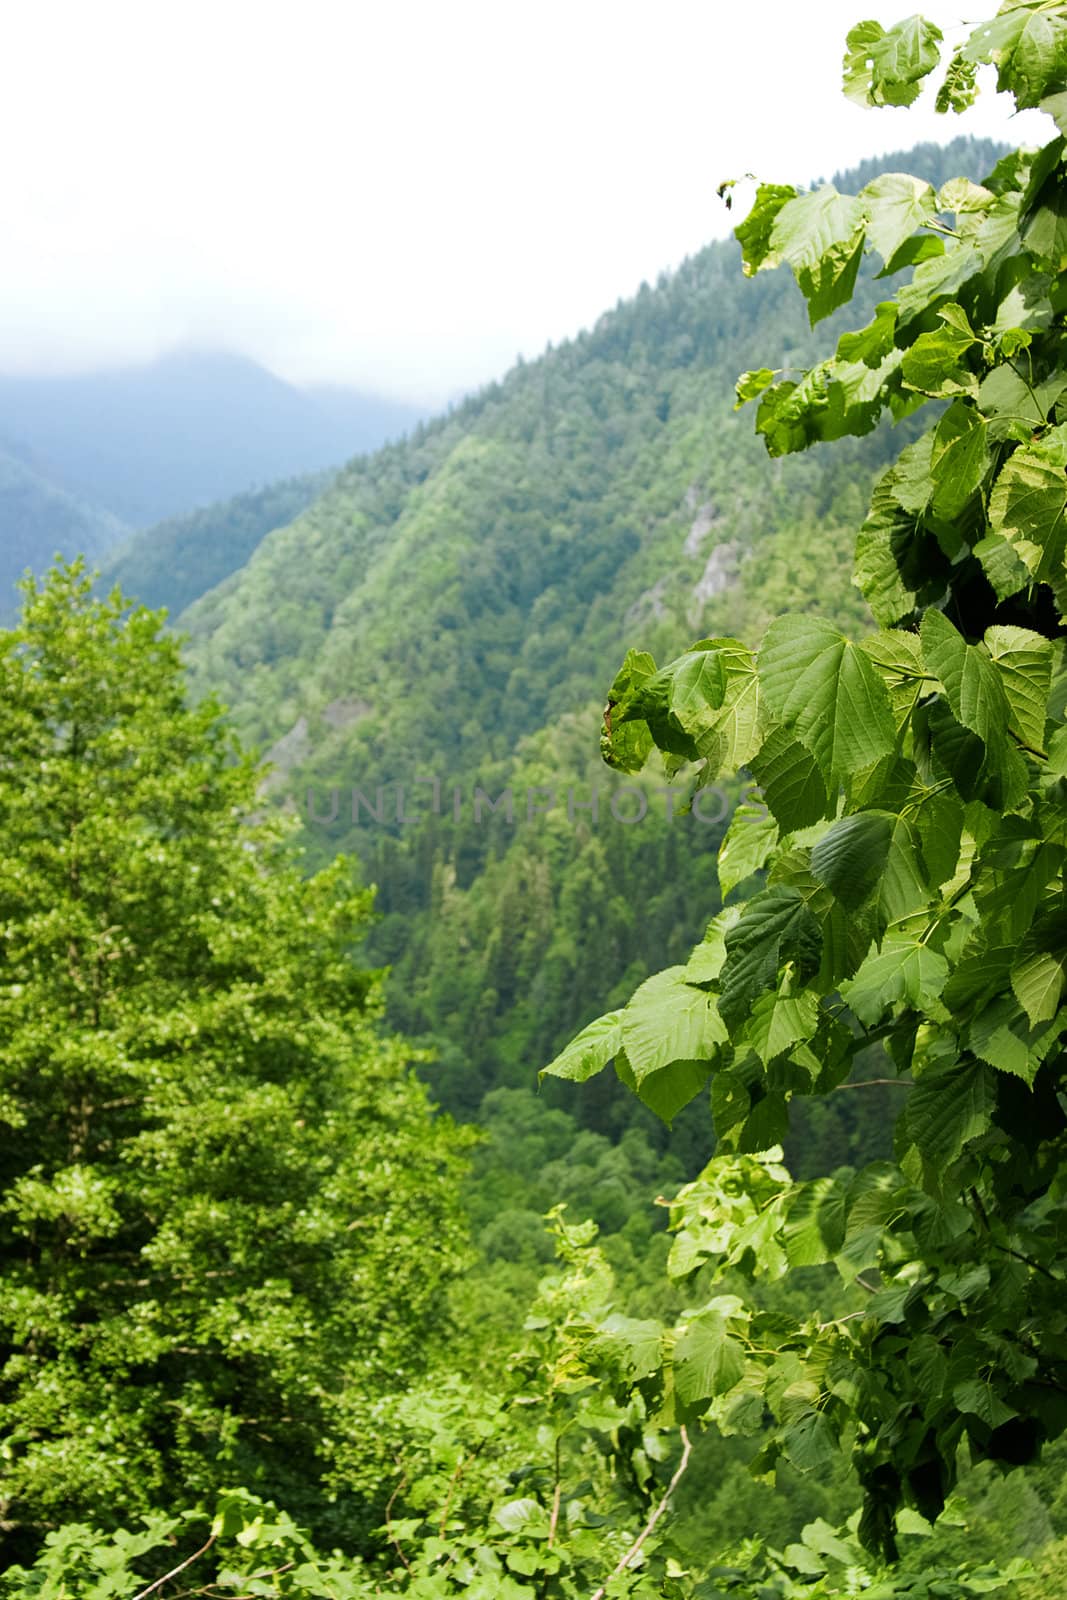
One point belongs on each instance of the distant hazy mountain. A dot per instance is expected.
(37, 519)
(173, 563)
(156, 441)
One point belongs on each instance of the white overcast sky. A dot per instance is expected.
(399, 195)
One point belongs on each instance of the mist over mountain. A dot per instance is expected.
(154, 441)
(90, 457)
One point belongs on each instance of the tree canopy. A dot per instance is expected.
(228, 1216)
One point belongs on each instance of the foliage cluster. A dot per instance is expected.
(910, 848)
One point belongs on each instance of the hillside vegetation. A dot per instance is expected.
(446, 609)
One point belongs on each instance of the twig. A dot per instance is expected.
(876, 1083)
(443, 1524)
(388, 1514)
(653, 1519)
(152, 1587)
(554, 1519)
(836, 1321)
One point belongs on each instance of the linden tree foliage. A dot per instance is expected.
(226, 1214)
(907, 913)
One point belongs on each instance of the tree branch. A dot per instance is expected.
(653, 1519)
(152, 1587)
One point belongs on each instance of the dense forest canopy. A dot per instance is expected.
(832, 1360)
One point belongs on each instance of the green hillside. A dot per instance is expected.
(454, 605)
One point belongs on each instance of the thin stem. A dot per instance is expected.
(388, 1518)
(553, 1520)
(874, 1083)
(635, 1548)
(173, 1573)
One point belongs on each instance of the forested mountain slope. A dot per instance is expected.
(451, 606)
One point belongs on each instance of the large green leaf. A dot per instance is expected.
(1003, 1036)
(960, 458)
(1028, 506)
(791, 781)
(750, 838)
(820, 235)
(972, 683)
(1024, 661)
(590, 1051)
(775, 926)
(826, 688)
(897, 204)
(669, 1020)
(936, 356)
(1039, 975)
(886, 66)
(850, 858)
(903, 972)
(754, 234)
(815, 1231)
(708, 1360)
(949, 1106)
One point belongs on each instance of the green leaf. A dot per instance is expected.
(708, 1361)
(811, 1442)
(958, 89)
(790, 780)
(936, 356)
(754, 234)
(849, 859)
(704, 704)
(972, 683)
(821, 236)
(589, 1051)
(1024, 661)
(669, 1020)
(897, 205)
(752, 384)
(1002, 1036)
(949, 1106)
(667, 1090)
(749, 840)
(780, 1021)
(904, 888)
(960, 458)
(980, 1399)
(635, 1345)
(518, 1514)
(903, 972)
(1038, 63)
(766, 1125)
(815, 1230)
(775, 926)
(1016, 406)
(1040, 971)
(624, 745)
(886, 67)
(873, 343)
(827, 690)
(1029, 503)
